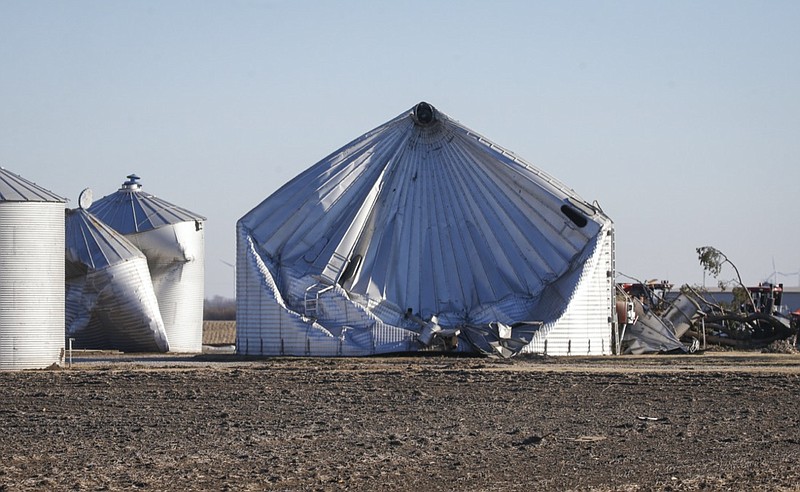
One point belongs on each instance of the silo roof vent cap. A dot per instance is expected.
(424, 114)
(132, 183)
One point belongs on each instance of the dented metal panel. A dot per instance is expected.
(110, 301)
(419, 221)
(173, 240)
(176, 259)
(92, 245)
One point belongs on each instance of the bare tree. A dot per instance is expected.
(712, 261)
(219, 308)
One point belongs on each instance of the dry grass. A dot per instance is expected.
(219, 332)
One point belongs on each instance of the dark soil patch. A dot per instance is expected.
(428, 423)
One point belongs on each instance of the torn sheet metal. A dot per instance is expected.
(172, 238)
(419, 215)
(500, 339)
(649, 333)
(681, 314)
(110, 302)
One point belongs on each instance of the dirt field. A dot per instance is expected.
(703, 422)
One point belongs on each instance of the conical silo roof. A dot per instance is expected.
(428, 215)
(15, 188)
(130, 210)
(92, 245)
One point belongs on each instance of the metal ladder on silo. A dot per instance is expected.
(311, 299)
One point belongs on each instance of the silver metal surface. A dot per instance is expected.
(649, 333)
(93, 245)
(176, 259)
(15, 188)
(172, 238)
(31, 275)
(131, 210)
(586, 325)
(110, 301)
(420, 216)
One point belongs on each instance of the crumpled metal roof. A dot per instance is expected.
(424, 214)
(110, 301)
(130, 210)
(92, 245)
(15, 188)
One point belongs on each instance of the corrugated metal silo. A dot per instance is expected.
(173, 240)
(111, 303)
(31, 274)
(423, 235)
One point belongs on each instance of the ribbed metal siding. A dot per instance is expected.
(586, 326)
(266, 326)
(176, 258)
(116, 308)
(31, 284)
(263, 324)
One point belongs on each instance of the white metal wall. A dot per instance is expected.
(586, 326)
(176, 258)
(31, 284)
(264, 326)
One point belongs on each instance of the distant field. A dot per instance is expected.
(219, 332)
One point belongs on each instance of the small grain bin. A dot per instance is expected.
(111, 303)
(172, 239)
(31, 274)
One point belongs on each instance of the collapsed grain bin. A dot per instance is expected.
(172, 239)
(111, 303)
(31, 274)
(422, 234)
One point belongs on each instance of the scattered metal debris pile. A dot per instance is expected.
(653, 319)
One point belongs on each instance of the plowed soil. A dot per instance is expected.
(702, 422)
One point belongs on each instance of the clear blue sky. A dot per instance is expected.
(681, 118)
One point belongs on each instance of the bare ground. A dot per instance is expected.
(703, 422)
